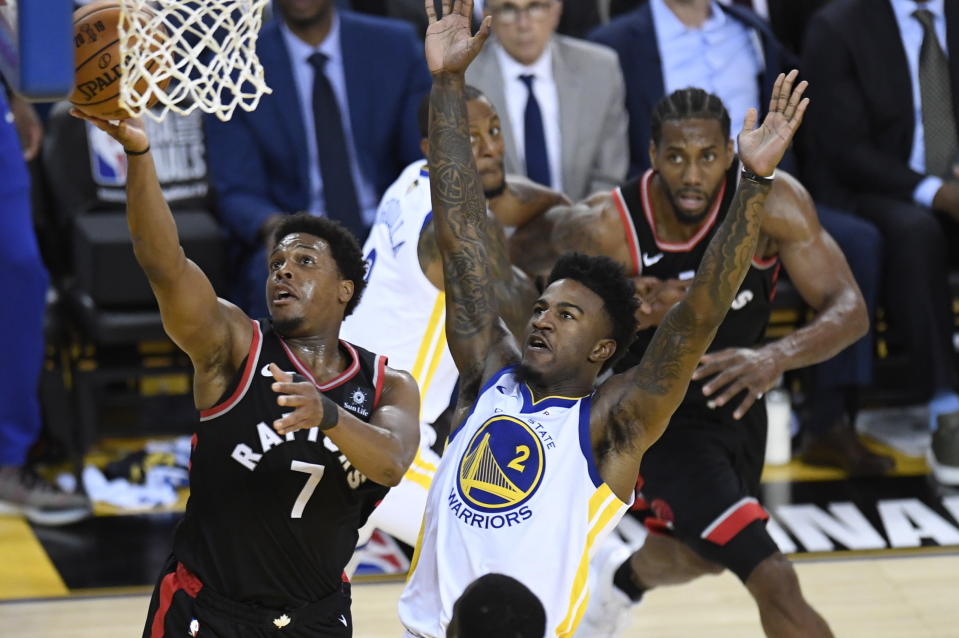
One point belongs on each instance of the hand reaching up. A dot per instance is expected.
(130, 133)
(761, 149)
(449, 46)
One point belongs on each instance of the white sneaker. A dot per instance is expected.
(607, 614)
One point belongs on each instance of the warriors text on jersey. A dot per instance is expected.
(745, 324)
(272, 520)
(518, 493)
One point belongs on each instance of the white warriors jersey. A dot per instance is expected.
(401, 312)
(517, 492)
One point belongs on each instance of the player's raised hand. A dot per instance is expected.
(450, 47)
(761, 149)
(130, 133)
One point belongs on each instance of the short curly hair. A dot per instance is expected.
(607, 279)
(344, 248)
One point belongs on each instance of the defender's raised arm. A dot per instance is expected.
(464, 231)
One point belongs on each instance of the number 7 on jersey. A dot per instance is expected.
(316, 473)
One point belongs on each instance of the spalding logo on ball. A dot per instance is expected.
(97, 74)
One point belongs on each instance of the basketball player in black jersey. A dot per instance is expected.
(699, 482)
(284, 470)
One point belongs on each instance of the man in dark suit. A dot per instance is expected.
(889, 150)
(665, 45)
(338, 128)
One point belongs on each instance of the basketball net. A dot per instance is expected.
(206, 47)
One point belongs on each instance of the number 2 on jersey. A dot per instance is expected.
(522, 452)
(316, 473)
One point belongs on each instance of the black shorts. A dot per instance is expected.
(181, 606)
(700, 482)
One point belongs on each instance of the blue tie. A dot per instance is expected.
(339, 191)
(537, 162)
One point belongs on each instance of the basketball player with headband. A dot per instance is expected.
(542, 462)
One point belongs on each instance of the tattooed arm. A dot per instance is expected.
(466, 235)
(632, 409)
(513, 289)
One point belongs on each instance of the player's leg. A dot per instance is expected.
(23, 281)
(688, 481)
(782, 608)
(663, 560)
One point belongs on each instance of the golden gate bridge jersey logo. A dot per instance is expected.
(502, 466)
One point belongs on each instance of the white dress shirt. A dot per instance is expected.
(911, 32)
(303, 74)
(723, 57)
(544, 88)
(759, 7)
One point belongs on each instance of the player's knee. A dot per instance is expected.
(774, 581)
(674, 557)
(709, 568)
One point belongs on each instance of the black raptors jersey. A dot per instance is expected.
(745, 324)
(272, 520)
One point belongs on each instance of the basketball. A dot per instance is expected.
(97, 64)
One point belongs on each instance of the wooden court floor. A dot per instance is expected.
(878, 597)
(877, 557)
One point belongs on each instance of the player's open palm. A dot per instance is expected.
(449, 45)
(131, 132)
(761, 149)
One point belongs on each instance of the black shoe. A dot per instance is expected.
(840, 447)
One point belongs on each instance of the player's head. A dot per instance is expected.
(316, 274)
(304, 13)
(524, 27)
(497, 605)
(691, 150)
(486, 138)
(584, 318)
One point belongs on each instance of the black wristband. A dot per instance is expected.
(143, 152)
(752, 177)
(331, 414)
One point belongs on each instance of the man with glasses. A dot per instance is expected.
(563, 99)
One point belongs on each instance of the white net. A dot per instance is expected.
(180, 55)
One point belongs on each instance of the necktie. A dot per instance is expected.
(935, 91)
(339, 191)
(537, 162)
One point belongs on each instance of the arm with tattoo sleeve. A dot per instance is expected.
(465, 233)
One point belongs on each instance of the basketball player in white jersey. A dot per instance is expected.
(405, 286)
(542, 463)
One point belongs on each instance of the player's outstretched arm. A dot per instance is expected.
(214, 333)
(818, 269)
(478, 339)
(632, 409)
(382, 449)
